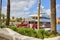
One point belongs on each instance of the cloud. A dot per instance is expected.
(4, 10)
(58, 8)
(19, 8)
(48, 11)
(42, 10)
(21, 4)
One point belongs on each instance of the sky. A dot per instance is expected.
(24, 8)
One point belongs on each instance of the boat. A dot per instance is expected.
(44, 19)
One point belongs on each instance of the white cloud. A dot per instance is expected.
(20, 7)
(4, 10)
(42, 10)
(22, 4)
(58, 8)
(58, 5)
(48, 11)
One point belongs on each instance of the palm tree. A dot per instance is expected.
(38, 23)
(8, 13)
(53, 16)
(0, 9)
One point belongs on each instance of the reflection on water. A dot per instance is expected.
(58, 28)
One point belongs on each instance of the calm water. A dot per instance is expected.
(58, 28)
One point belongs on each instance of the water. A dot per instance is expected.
(58, 28)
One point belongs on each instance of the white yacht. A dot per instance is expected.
(44, 19)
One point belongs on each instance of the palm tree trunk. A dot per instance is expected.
(53, 16)
(8, 13)
(0, 9)
(3, 17)
(38, 23)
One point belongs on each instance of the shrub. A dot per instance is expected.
(27, 31)
(13, 28)
(52, 36)
(2, 26)
(31, 32)
(40, 33)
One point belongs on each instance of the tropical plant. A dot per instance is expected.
(53, 16)
(2, 26)
(0, 9)
(8, 12)
(38, 23)
(13, 28)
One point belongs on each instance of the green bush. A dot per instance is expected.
(52, 36)
(27, 31)
(13, 28)
(31, 32)
(46, 34)
(21, 30)
(41, 33)
(2, 26)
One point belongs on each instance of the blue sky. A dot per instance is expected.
(29, 7)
